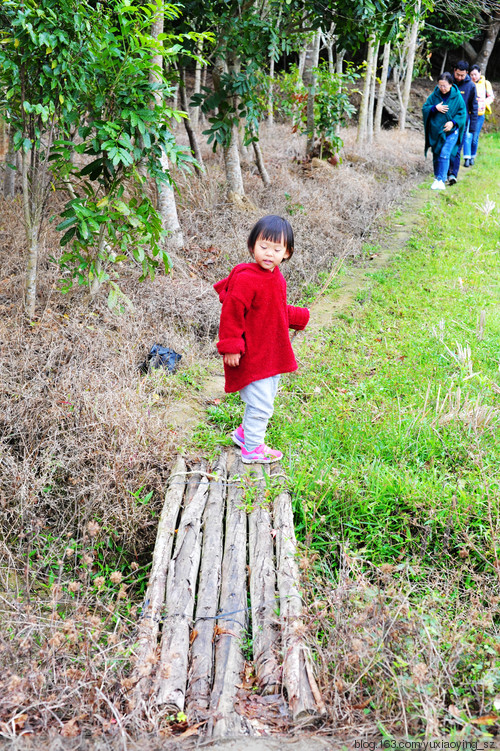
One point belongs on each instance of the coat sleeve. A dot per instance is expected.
(428, 107)
(298, 318)
(232, 326)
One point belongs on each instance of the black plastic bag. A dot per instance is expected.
(160, 357)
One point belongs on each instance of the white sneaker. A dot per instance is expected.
(438, 185)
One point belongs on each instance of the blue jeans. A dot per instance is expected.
(471, 139)
(442, 160)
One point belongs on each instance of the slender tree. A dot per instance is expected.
(166, 196)
(377, 125)
(309, 78)
(410, 62)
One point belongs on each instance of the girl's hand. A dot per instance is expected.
(442, 107)
(232, 360)
(448, 126)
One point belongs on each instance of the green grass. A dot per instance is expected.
(374, 458)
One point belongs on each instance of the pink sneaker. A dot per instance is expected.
(260, 455)
(238, 436)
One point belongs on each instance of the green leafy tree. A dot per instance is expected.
(42, 68)
(125, 135)
(78, 89)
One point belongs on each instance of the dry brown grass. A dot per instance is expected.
(398, 645)
(82, 431)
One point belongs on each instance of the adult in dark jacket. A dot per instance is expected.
(444, 122)
(467, 88)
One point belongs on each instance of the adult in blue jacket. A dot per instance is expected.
(467, 88)
(444, 123)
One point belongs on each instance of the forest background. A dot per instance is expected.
(140, 143)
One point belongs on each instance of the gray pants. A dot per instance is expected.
(259, 400)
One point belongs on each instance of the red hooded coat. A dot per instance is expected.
(254, 321)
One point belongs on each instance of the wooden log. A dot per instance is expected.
(302, 691)
(201, 669)
(179, 603)
(263, 595)
(193, 479)
(231, 624)
(149, 622)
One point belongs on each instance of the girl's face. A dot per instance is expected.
(269, 254)
(475, 75)
(444, 86)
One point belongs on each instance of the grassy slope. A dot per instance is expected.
(390, 429)
(394, 465)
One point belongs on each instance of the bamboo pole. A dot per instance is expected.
(149, 623)
(179, 603)
(201, 670)
(303, 695)
(232, 623)
(263, 597)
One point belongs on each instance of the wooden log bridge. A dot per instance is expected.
(221, 634)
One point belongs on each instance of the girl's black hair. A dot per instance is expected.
(446, 77)
(273, 228)
(475, 67)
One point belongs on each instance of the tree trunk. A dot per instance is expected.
(194, 112)
(32, 221)
(377, 125)
(9, 180)
(167, 207)
(95, 283)
(443, 64)
(270, 98)
(328, 40)
(365, 98)
(371, 104)
(193, 141)
(489, 42)
(469, 51)
(234, 178)
(311, 62)
(259, 161)
(302, 60)
(339, 69)
(412, 46)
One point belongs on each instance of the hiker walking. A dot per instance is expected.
(467, 89)
(444, 122)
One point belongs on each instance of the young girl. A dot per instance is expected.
(253, 333)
